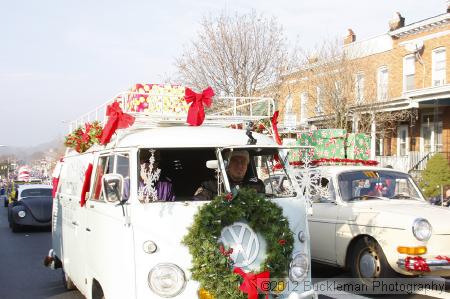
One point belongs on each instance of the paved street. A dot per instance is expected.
(23, 276)
(22, 273)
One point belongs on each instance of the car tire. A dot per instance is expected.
(67, 282)
(368, 262)
(15, 227)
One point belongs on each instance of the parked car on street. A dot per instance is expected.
(31, 207)
(376, 222)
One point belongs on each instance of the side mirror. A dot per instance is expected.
(113, 187)
(212, 164)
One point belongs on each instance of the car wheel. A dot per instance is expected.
(67, 282)
(15, 227)
(368, 262)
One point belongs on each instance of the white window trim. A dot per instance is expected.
(405, 58)
(379, 71)
(433, 71)
(399, 139)
(361, 99)
(319, 100)
(303, 107)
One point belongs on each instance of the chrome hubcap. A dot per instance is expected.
(367, 265)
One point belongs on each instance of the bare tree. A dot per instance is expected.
(235, 54)
(341, 88)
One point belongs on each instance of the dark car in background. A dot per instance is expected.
(31, 207)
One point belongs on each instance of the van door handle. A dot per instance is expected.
(88, 229)
(75, 223)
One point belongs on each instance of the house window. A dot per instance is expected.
(303, 107)
(438, 69)
(382, 83)
(409, 70)
(431, 133)
(359, 88)
(319, 108)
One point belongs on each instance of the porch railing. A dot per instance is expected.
(413, 161)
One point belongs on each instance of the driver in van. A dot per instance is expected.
(162, 184)
(237, 168)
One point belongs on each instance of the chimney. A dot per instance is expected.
(396, 22)
(350, 38)
(448, 6)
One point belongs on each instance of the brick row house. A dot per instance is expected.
(394, 86)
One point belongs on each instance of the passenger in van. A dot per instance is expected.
(236, 171)
(162, 184)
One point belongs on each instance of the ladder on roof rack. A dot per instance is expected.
(160, 111)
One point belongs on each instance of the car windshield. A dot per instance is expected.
(36, 192)
(379, 184)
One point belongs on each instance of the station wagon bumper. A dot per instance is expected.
(419, 264)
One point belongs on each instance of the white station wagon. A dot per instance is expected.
(375, 221)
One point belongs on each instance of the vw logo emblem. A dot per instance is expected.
(244, 242)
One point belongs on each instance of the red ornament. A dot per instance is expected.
(196, 112)
(229, 196)
(282, 242)
(224, 252)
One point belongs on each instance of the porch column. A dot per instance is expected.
(355, 123)
(373, 136)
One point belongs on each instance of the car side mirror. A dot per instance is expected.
(212, 164)
(113, 187)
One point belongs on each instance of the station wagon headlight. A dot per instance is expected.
(21, 214)
(422, 229)
(299, 268)
(166, 280)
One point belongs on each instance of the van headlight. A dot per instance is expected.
(21, 214)
(298, 269)
(422, 229)
(166, 280)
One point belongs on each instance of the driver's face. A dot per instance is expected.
(237, 168)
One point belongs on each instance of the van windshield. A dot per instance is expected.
(166, 175)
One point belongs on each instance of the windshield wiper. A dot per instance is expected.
(366, 197)
(403, 196)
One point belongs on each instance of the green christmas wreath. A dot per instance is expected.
(211, 264)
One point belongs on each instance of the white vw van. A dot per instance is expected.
(122, 245)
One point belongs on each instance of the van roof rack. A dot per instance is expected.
(166, 109)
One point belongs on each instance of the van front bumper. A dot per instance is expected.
(307, 294)
(419, 264)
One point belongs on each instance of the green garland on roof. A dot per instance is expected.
(211, 265)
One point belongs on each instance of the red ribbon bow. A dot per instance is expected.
(253, 282)
(196, 113)
(274, 121)
(117, 119)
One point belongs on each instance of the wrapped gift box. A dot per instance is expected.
(333, 147)
(358, 146)
(334, 143)
(329, 133)
(157, 98)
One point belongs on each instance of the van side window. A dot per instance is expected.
(105, 165)
(123, 168)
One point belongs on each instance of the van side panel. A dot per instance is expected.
(72, 219)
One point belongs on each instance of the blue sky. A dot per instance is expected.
(61, 58)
